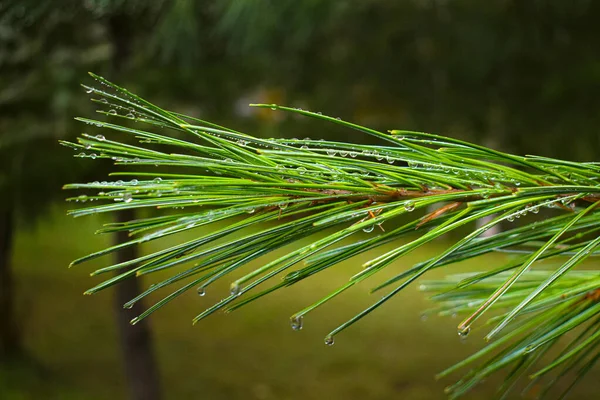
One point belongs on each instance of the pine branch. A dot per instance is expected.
(263, 194)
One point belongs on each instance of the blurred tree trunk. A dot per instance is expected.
(10, 341)
(136, 340)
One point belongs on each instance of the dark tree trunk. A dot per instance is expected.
(136, 340)
(10, 341)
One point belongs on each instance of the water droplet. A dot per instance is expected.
(90, 90)
(127, 198)
(297, 321)
(82, 198)
(119, 182)
(301, 170)
(510, 218)
(235, 289)
(250, 210)
(353, 154)
(390, 160)
(157, 180)
(422, 288)
(273, 107)
(338, 118)
(128, 306)
(134, 182)
(130, 116)
(464, 332)
(80, 155)
(93, 156)
(282, 205)
(88, 146)
(424, 317)
(343, 153)
(304, 147)
(369, 228)
(535, 210)
(329, 341)
(331, 152)
(378, 156)
(112, 112)
(103, 100)
(201, 291)
(408, 206)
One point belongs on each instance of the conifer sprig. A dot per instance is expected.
(257, 195)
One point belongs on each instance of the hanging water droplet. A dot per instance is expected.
(424, 317)
(201, 291)
(304, 147)
(331, 152)
(353, 154)
(301, 170)
(90, 90)
(329, 341)
(535, 210)
(368, 229)
(88, 146)
(273, 107)
(282, 205)
(128, 306)
(81, 155)
(93, 156)
(112, 111)
(510, 218)
(408, 206)
(297, 321)
(127, 198)
(250, 210)
(390, 160)
(343, 153)
(235, 289)
(378, 156)
(464, 332)
(103, 100)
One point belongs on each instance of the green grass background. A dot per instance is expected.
(249, 354)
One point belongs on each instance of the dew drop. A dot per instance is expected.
(235, 289)
(93, 156)
(343, 153)
(103, 100)
(134, 182)
(273, 107)
(301, 170)
(331, 152)
(329, 341)
(112, 112)
(378, 156)
(368, 229)
(535, 210)
(390, 160)
(157, 180)
(88, 146)
(127, 198)
(510, 218)
(409, 206)
(201, 291)
(90, 90)
(424, 317)
(130, 116)
(282, 206)
(297, 321)
(463, 333)
(128, 306)
(82, 198)
(353, 154)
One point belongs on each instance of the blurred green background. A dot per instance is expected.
(520, 76)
